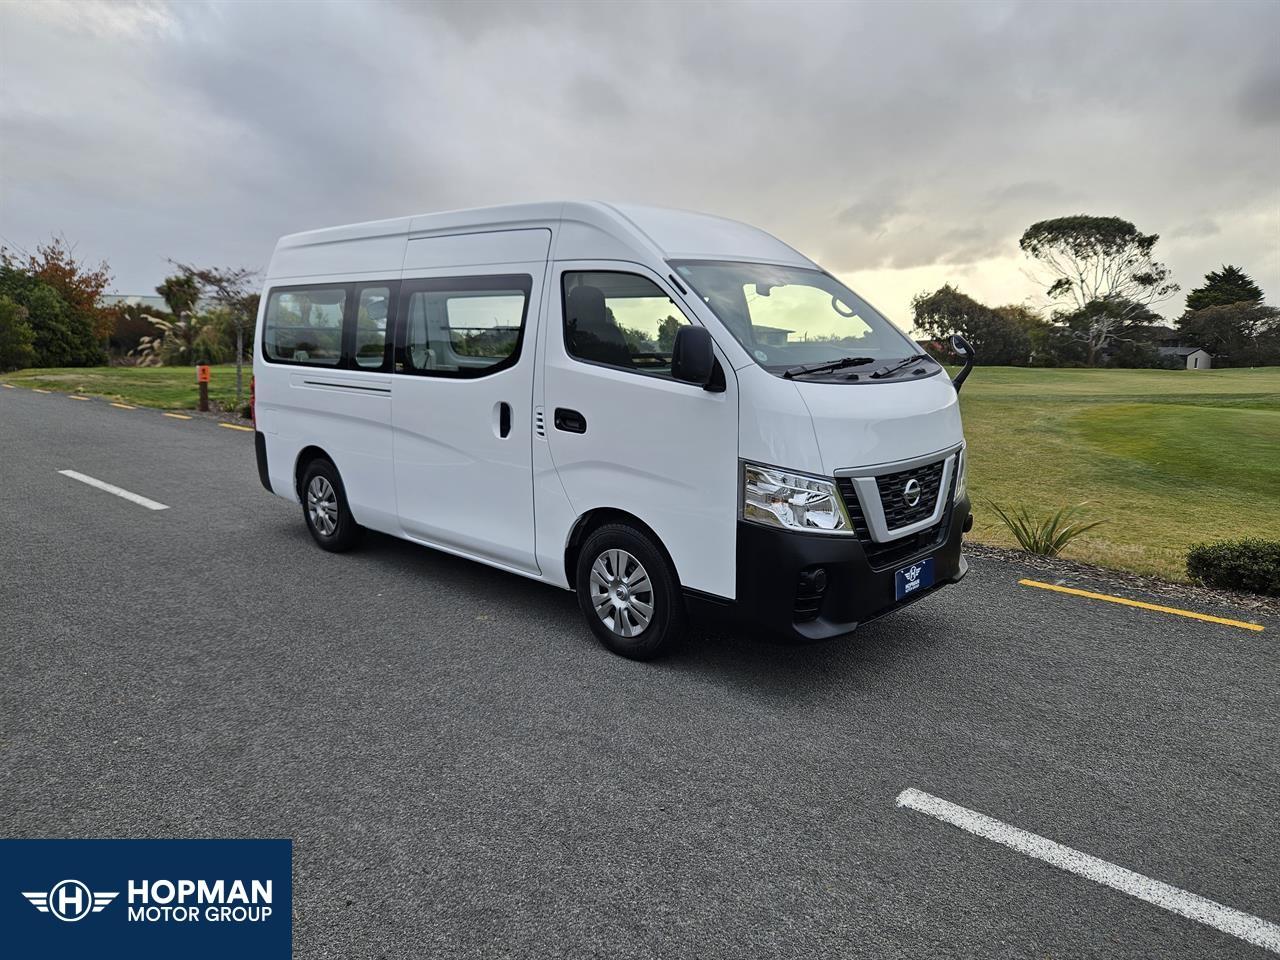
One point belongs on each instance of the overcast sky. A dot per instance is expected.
(900, 145)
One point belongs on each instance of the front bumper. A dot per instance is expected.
(770, 564)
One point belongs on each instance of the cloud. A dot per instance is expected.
(1195, 229)
(886, 140)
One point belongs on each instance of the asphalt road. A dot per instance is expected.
(466, 773)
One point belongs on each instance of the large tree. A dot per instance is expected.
(1241, 334)
(1222, 287)
(1001, 335)
(1089, 260)
(79, 284)
(232, 288)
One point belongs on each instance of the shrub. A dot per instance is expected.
(1044, 536)
(1251, 565)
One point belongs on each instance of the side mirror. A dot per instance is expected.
(692, 359)
(961, 346)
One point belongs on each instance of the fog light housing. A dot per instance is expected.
(811, 587)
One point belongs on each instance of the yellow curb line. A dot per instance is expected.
(75, 397)
(1143, 606)
(124, 406)
(177, 416)
(235, 426)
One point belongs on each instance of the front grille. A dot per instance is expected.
(897, 512)
(881, 555)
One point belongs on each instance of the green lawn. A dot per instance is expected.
(169, 388)
(1167, 458)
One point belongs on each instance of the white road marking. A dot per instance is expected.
(112, 488)
(1251, 929)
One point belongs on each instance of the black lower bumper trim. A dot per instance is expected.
(770, 563)
(260, 451)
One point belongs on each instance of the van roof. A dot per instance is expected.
(587, 230)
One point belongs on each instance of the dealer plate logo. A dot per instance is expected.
(70, 900)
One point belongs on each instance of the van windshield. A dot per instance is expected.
(791, 319)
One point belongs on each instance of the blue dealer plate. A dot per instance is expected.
(913, 579)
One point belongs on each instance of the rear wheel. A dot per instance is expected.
(629, 593)
(324, 505)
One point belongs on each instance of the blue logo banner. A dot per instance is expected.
(147, 898)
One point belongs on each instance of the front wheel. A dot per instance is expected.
(629, 593)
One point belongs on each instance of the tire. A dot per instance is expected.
(325, 510)
(622, 558)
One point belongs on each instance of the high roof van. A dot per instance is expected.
(665, 412)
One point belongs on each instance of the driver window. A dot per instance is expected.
(620, 320)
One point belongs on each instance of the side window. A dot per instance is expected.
(465, 326)
(621, 320)
(373, 319)
(305, 325)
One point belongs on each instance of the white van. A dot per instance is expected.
(659, 410)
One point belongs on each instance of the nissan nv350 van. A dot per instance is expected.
(661, 411)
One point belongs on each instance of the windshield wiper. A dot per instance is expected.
(890, 371)
(840, 364)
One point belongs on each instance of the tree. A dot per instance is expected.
(232, 289)
(1241, 334)
(175, 339)
(1223, 287)
(1087, 260)
(79, 285)
(17, 343)
(60, 298)
(668, 327)
(997, 337)
(180, 294)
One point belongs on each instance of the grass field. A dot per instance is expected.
(1168, 458)
(169, 388)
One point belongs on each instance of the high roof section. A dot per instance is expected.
(584, 230)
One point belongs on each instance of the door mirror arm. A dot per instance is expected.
(961, 346)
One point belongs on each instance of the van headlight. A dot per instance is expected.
(792, 501)
(962, 463)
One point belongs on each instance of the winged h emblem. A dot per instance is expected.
(70, 900)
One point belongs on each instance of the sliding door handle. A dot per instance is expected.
(504, 419)
(570, 421)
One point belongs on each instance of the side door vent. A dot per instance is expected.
(539, 423)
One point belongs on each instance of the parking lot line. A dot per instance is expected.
(1244, 926)
(9, 386)
(235, 426)
(76, 396)
(118, 491)
(1242, 624)
(178, 416)
(38, 390)
(123, 406)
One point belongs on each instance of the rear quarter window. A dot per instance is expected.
(304, 325)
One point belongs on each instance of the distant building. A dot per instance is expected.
(146, 301)
(770, 336)
(132, 300)
(1196, 358)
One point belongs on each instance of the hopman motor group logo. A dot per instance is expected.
(162, 901)
(100, 899)
(70, 900)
